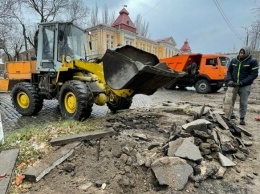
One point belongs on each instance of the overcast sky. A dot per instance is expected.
(198, 21)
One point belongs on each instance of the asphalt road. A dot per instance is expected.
(12, 120)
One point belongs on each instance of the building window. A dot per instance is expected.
(110, 41)
(129, 41)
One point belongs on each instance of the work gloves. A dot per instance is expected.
(233, 84)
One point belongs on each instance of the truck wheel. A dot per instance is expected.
(202, 86)
(26, 99)
(119, 104)
(192, 68)
(75, 100)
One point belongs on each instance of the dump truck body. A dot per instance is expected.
(65, 72)
(206, 72)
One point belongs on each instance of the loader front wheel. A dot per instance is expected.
(75, 100)
(26, 99)
(119, 104)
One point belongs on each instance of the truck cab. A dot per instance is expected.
(206, 72)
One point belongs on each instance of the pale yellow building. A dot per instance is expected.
(124, 32)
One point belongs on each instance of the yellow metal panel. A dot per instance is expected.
(21, 67)
(19, 76)
(4, 84)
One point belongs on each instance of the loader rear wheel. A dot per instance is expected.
(75, 100)
(26, 99)
(119, 104)
(202, 86)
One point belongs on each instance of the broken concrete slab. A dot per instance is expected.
(141, 136)
(173, 146)
(220, 173)
(225, 161)
(7, 163)
(35, 173)
(198, 124)
(229, 101)
(247, 133)
(80, 137)
(221, 121)
(188, 150)
(172, 171)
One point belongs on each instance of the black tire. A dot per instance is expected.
(192, 68)
(119, 104)
(215, 88)
(75, 100)
(202, 86)
(26, 99)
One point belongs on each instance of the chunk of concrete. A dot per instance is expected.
(7, 163)
(173, 146)
(198, 124)
(225, 161)
(188, 150)
(172, 171)
(35, 173)
(229, 101)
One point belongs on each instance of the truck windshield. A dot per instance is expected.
(224, 61)
(72, 41)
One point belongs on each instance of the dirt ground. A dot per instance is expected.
(114, 168)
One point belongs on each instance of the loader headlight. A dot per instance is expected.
(68, 59)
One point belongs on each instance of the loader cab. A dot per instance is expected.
(58, 41)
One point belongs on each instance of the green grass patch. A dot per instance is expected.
(33, 140)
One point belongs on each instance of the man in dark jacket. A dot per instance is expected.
(242, 71)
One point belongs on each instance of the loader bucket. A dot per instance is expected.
(130, 68)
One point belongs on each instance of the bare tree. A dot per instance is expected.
(13, 42)
(105, 15)
(12, 15)
(112, 18)
(77, 12)
(47, 9)
(94, 16)
(5, 10)
(141, 26)
(255, 29)
(255, 36)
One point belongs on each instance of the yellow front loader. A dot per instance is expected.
(64, 71)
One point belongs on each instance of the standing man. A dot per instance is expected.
(242, 71)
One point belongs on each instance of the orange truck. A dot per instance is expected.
(206, 72)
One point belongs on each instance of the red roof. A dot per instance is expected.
(123, 21)
(185, 47)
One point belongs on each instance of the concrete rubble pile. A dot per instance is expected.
(203, 147)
